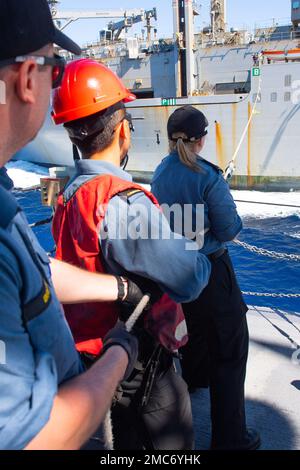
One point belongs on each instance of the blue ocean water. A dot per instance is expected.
(255, 273)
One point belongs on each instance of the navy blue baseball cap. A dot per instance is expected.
(188, 120)
(27, 26)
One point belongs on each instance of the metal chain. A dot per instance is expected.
(270, 254)
(264, 252)
(275, 296)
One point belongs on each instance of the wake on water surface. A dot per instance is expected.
(275, 228)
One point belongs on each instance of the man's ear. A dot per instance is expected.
(124, 130)
(26, 82)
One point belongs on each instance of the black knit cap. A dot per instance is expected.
(27, 26)
(189, 121)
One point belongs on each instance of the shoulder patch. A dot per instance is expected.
(37, 306)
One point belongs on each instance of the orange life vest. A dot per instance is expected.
(76, 227)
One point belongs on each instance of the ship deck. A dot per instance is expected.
(272, 386)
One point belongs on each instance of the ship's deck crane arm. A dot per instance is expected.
(69, 16)
(129, 21)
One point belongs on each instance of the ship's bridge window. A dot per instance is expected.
(256, 97)
(274, 97)
(296, 5)
(287, 96)
(288, 80)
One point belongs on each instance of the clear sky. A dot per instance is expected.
(240, 13)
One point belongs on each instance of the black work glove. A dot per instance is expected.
(119, 336)
(147, 287)
(134, 294)
(137, 288)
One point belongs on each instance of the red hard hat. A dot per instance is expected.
(87, 88)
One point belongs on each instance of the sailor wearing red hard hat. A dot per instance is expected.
(153, 410)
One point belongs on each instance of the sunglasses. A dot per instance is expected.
(128, 118)
(57, 63)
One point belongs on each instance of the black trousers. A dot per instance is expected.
(164, 423)
(217, 352)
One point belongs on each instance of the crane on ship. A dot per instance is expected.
(63, 18)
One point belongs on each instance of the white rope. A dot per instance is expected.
(137, 313)
(231, 166)
(108, 432)
(107, 425)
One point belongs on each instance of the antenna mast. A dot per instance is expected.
(218, 17)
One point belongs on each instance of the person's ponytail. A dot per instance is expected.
(185, 151)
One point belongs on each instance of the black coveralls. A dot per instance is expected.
(216, 355)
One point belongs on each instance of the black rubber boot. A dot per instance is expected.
(251, 441)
